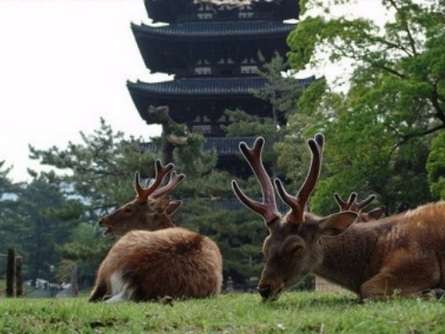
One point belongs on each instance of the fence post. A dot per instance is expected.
(10, 273)
(18, 276)
(75, 280)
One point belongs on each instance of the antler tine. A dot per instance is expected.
(287, 198)
(341, 204)
(160, 172)
(363, 204)
(174, 180)
(297, 203)
(319, 139)
(268, 207)
(312, 176)
(352, 200)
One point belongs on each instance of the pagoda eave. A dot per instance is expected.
(198, 87)
(172, 49)
(202, 93)
(209, 31)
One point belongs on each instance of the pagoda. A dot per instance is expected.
(214, 50)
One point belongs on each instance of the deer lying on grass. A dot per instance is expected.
(402, 254)
(155, 259)
(353, 205)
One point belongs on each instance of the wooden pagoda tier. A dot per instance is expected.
(232, 48)
(200, 103)
(196, 10)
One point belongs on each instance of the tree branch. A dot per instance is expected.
(408, 137)
(435, 102)
(406, 26)
(390, 44)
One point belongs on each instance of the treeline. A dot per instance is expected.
(384, 135)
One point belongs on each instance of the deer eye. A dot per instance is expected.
(296, 248)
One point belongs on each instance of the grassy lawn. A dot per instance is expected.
(234, 313)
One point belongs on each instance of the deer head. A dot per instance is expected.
(353, 205)
(292, 247)
(151, 209)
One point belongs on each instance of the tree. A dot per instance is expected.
(436, 167)
(95, 176)
(379, 131)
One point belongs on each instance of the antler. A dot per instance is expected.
(174, 180)
(268, 208)
(297, 203)
(352, 203)
(363, 204)
(345, 205)
(160, 172)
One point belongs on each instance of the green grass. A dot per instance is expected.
(234, 313)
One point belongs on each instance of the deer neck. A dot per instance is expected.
(346, 257)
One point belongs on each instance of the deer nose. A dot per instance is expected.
(101, 222)
(265, 291)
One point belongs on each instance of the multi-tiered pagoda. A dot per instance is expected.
(214, 51)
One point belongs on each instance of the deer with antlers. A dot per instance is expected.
(153, 258)
(402, 254)
(359, 206)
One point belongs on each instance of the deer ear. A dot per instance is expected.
(172, 207)
(336, 223)
(377, 213)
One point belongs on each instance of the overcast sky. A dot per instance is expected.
(64, 64)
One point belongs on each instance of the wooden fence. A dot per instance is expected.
(13, 274)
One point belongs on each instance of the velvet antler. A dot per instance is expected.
(268, 207)
(298, 203)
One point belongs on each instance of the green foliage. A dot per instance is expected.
(99, 169)
(436, 166)
(378, 132)
(94, 177)
(209, 209)
(245, 125)
(27, 224)
(232, 313)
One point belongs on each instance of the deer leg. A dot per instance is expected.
(408, 278)
(99, 292)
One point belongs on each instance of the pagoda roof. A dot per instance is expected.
(200, 86)
(187, 10)
(177, 48)
(197, 91)
(256, 29)
(205, 86)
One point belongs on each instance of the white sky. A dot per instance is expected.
(64, 64)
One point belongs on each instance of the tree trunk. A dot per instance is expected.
(167, 151)
(10, 273)
(74, 281)
(18, 276)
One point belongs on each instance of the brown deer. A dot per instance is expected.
(153, 258)
(402, 254)
(353, 205)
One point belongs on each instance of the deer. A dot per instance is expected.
(351, 204)
(401, 255)
(154, 259)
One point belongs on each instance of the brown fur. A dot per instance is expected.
(154, 258)
(172, 262)
(402, 254)
(150, 215)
